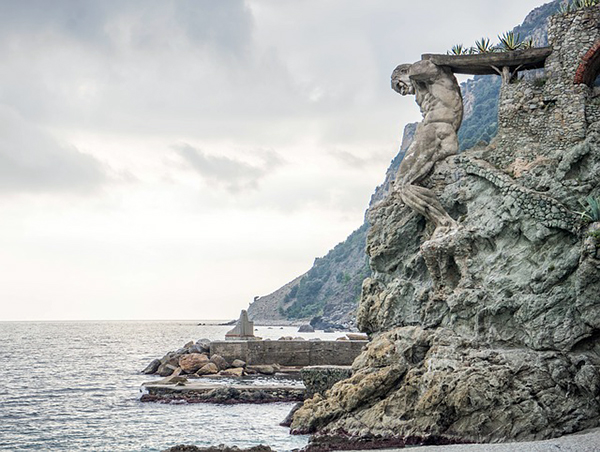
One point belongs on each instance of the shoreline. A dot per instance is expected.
(584, 441)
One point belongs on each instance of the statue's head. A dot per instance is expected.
(401, 83)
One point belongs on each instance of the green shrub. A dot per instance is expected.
(591, 207)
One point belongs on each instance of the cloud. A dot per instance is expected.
(223, 24)
(31, 160)
(233, 174)
(355, 162)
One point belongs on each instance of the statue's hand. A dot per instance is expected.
(424, 71)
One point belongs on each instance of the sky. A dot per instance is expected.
(165, 159)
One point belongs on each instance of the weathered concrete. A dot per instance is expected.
(244, 328)
(289, 353)
(195, 392)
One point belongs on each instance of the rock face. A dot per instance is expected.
(491, 333)
(434, 383)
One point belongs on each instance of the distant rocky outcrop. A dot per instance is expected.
(331, 288)
(491, 333)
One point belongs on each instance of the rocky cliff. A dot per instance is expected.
(493, 332)
(335, 297)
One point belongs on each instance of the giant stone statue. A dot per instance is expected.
(438, 96)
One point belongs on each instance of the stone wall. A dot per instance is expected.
(289, 353)
(318, 379)
(552, 112)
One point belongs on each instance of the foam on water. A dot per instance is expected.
(76, 386)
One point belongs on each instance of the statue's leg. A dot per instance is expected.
(432, 142)
(423, 201)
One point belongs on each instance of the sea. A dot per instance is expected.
(75, 386)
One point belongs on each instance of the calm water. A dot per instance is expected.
(75, 386)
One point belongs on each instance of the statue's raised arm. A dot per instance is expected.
(424, 71)
(438, 95)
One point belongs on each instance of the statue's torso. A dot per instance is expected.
(440, 100)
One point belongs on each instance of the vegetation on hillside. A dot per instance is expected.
(574, 5)
(482, 124)
(327, 276)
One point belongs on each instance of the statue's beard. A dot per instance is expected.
(403, 88)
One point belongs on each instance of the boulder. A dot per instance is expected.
(233, 372)
(298, 338)
(306, 329)
(208, 369)
(164, 370)
(192, 362)
(238, 363)
(171, 358)
(221, 362)
(196, 349)
(203, 345)
(262, 369)
(152, 367)
(286, 338)
(342, 338)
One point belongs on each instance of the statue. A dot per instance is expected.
(438, 96)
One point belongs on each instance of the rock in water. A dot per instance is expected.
(306, 329)
(152, 367)
(490, 332)
(192, 362)
(203, 345)
(208, 369)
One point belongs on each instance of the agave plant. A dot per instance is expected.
(528, 44)
(579, 4)
(510, 41)
(483, 46)
(458, 49)
(565, 8)
(592, 208)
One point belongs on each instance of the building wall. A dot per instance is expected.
(537, 117)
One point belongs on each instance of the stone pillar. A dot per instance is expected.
(244, 329)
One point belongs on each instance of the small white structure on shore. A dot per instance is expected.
(243, 330)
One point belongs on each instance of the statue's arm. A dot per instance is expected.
(423, 71)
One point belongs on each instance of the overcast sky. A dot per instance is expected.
(173, 159)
